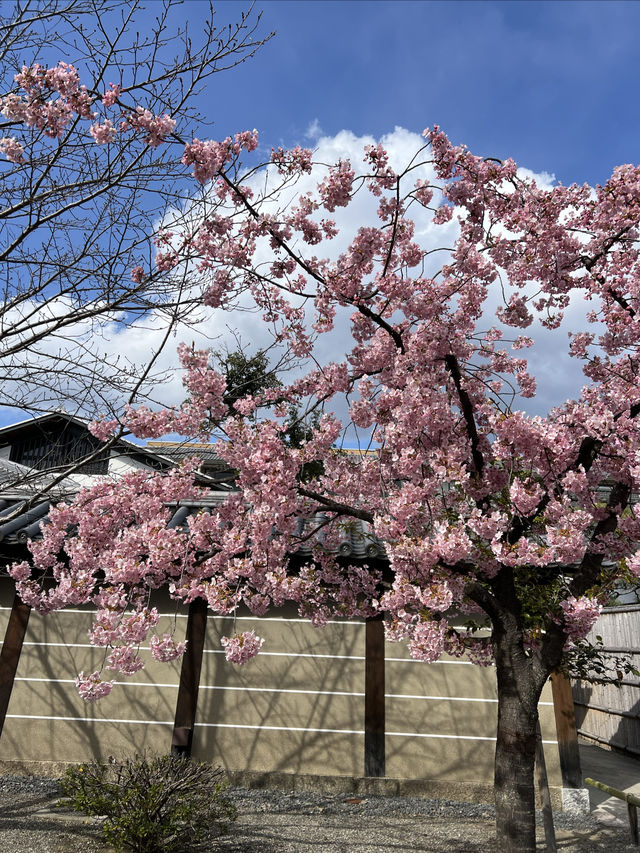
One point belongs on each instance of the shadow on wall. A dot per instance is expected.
(606, 713)
(299, 707)
(609, 715)
(296, 708)
(48, 721)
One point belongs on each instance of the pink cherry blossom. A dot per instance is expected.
(111, 95)
(579, 616)
(103, 133)
(165, 648)
(335, 190)
(443, 214)
(92, 687)
(12, 149)
(525, 495)
(157, 128)
(103, 428)
(426, 640)
(125, 660)
(241, 647)
(294, 161)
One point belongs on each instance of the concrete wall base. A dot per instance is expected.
(439, 789)
(575, 801)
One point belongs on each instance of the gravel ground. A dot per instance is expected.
(301, 823)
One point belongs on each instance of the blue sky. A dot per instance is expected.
(551, 84)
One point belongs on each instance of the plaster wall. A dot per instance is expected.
(296, 708)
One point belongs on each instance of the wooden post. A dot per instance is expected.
(374, 710)
(545, 795)
(567, 732)
(187, 701)
(632, 812)
(10, 654)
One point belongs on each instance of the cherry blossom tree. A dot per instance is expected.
(483, 510)
(89, 168)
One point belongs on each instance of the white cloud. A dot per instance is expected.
(313, 131)
(559, 377)
(544, 180)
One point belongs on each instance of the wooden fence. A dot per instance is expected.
(607, 714)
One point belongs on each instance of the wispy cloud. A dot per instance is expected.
(313, 131)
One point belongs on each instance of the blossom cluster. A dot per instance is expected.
(165, 649)
(156, 128)
(48, 99)
(92, 687)
(462, 491)
(209, 157)
(241, 647)
(38, 108)
(579, 616)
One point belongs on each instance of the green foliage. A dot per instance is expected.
(246, 374)
(250, 375)
(299, 431)
(151, 805)
(591, 662)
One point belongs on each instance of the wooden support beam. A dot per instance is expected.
(545, 794)
(632, 813)
(10, 653)
(374, 703)
(566, 729)
(187, 701)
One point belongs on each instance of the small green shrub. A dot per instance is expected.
(150, 805)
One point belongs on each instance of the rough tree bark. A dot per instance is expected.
(519, 689)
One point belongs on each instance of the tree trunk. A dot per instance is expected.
(519, 687)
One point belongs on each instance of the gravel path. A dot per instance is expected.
(278, 822)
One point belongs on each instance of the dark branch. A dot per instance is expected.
(591, 564)
(335, 506)
(467, 412)
(379, 321)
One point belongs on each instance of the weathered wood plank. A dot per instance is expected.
(10, 653)
(607, 713)
(567, 733)
(374, 701)
(545, 795)
(187, 701)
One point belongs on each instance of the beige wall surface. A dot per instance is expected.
(297, 707)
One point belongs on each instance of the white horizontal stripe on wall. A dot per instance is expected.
(255, 619)
(216, 651)
(350, 732)
(90, 720)
(258, 619)
(447, 698)
(164, 685)
(265, 654)
(252, 728)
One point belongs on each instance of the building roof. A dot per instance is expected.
(179, 450)
(26, 493)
